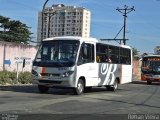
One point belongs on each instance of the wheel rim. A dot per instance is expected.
(115, 85)
(80, 87)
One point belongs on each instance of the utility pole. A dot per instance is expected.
(4, 56)
(125, 11)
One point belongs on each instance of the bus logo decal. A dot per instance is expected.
(107, 72)
(104, 69)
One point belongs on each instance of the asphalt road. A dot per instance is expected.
(129, 99)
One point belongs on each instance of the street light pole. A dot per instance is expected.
(49, 20)
(42, 19)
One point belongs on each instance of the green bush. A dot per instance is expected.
(7, 77)
(13, 75)
(25, 78)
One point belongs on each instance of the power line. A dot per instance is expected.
(125, 11)
(118, 34)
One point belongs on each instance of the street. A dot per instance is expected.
(132, 98)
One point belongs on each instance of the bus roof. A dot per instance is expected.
(147, 56)
(84, 39)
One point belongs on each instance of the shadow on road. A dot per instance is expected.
(34, 89)
(144, 82)
(20, 88)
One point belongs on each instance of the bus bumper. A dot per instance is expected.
(63, 82)
(152, 78)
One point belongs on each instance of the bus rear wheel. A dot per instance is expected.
(43, 89)
(113, 87)
(80, 87)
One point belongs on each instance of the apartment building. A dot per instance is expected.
(60, 20)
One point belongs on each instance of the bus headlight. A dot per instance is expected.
(68, 73)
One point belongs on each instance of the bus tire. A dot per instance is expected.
(113, 87)
(149, 82)
(43, 89)
(80, 87)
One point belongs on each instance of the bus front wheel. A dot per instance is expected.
(80, 87)
(43, 89)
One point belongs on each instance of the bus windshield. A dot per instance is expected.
(57, 53)
(151, 65)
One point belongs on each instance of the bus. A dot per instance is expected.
(150, 69)
(81, 63)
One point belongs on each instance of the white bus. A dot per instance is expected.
(81, 63)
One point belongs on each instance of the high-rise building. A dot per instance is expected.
(60, 20)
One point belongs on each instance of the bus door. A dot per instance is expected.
(86, 66)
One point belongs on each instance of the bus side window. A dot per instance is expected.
(86, 54)
(125, 56)
(101, 53)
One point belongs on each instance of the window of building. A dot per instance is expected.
(69, 13)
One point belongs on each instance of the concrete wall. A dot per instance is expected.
(13, 54)
(137, 69)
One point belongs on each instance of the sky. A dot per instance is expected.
(142, 25)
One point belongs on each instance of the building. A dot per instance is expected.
(157, 50)
(60, 20)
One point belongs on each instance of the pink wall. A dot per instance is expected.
(15, 53)
(137, 69)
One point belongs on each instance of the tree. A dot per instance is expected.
(135, 51)
(14, 31)
(4, 23)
